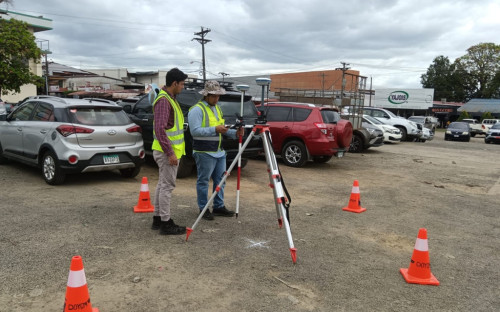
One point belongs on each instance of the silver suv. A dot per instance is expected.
(64, 136)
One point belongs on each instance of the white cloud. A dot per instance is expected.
(392, 42)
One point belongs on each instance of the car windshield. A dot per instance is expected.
(373, 120)
(99, 116)
(417, 119)
(459, 126)
(230, 109)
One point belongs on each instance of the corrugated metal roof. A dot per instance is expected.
(481, 106)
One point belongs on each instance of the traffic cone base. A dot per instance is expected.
(144, 203)
(432, 280)
(355, 200)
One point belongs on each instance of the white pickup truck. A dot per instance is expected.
(475, 127)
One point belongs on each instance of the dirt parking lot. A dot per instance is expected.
(345, 261)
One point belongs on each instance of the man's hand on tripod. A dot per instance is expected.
(240, 131)
(221, 129)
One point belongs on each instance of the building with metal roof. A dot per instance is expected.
(477, 107)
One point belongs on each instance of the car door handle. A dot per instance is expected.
(19, 129)
(43, 131)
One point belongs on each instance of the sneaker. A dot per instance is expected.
(156, 223)
(223, 212)
(170, 228)
(207, 215)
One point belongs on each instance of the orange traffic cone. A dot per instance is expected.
(77, 293)
(419, 271)
(144, 204)
(355, 200)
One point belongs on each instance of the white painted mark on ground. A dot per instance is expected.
(254, 244)
(495, 189)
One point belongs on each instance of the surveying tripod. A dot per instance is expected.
(275, 179)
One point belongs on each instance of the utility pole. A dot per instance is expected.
(223, 75)
(343, 69)
(201, 39)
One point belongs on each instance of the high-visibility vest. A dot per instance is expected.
(211, 143)
(174, 134)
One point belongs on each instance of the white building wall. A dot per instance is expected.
(402, 98)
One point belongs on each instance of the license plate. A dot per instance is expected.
(456, 135)
(111, 159)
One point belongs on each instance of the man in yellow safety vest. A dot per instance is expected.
(168, 148)
(206, 125)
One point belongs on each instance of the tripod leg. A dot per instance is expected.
(217, 189)
(239, 178)
(272, 169)
(278, 191)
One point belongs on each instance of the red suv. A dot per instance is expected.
(302, 131)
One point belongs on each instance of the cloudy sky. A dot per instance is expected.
(393, 42)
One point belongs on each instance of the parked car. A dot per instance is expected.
(427, 135)
(458, 131)
(376, 135)
(475, 127)
(409, 129)
(493, 135)
(391, 133)
(302, 132)
(487, 123)
(429, 122)
(141, 113)
(63, 136)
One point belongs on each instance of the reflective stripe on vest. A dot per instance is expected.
(208, 144)
(174, 134)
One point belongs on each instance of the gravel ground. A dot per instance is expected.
(345, 261)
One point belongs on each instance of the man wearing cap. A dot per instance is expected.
(206, 125)
(168, 148)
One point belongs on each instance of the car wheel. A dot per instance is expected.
(321, 159)
(473, 135)
(356, 144)
(423, 141)
(186, 166)
(294, 154)
(51, 171)
(404, 133)
(130, 172)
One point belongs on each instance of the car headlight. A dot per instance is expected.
(370, 130)
(465, 132)
(448, 132)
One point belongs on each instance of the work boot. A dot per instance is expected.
(170, 228)
(222, 212)
(156, 223)
(207, 215)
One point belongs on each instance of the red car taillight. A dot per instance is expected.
(67, 130)
(73, 159)
(135, 128)
(322, 127)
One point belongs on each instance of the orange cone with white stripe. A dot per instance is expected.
(77, 293)
(419, 271)
(144, 204)
(355, 200)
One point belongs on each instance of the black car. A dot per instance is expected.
(458, 131)
(142, 114)
(493, 135)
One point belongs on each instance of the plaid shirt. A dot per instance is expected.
(164, 119)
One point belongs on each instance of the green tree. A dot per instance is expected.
(438, 77)
(17, 47)
(482, 63)
(463, 115)
(486, 115)
(474, 75)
